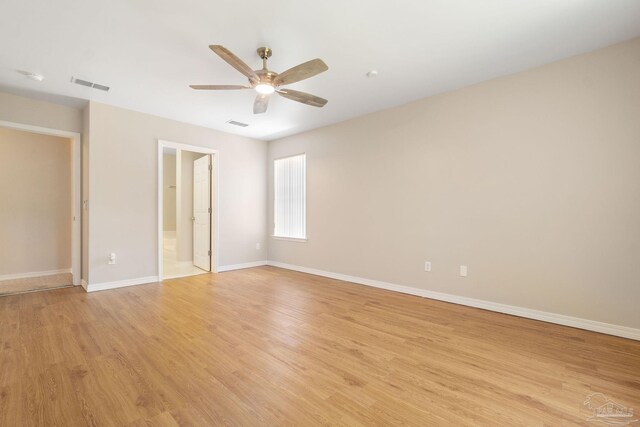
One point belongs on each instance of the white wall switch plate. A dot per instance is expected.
(257, 246)
(112, 258)
(427, 266)
(463, 270)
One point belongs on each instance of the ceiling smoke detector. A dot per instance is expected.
(36, 77)
(32, 76)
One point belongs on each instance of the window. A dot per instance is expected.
(289, 208)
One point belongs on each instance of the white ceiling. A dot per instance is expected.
(149, 51)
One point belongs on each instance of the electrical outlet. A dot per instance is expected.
(257, 246)
(112, 258)
(427, 266)
(463, 270)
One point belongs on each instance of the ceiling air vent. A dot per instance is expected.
(101, 87)
(90, 84)
(233, 122)
(82, 82)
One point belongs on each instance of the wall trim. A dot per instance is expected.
(241, 266)
(94, 287)
(34, 274)
(560, 319)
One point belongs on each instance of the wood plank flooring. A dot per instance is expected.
(267, 346)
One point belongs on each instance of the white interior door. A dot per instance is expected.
(202, 213)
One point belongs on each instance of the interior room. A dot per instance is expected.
(331, 213)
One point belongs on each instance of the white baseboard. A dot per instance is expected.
(84, 284)
(93, 287)
(34, 274)
(241, 266)
(560, 319)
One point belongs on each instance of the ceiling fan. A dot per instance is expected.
(265, 81)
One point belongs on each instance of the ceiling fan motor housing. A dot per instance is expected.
(266, 77)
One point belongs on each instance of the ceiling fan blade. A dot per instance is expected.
(261, 103)
(305, 98)
(218, 87)
(234, 61)
(301, 72)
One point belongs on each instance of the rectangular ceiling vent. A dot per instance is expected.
(101, 87)
(90, 84)
(233, 122)
(82, 82)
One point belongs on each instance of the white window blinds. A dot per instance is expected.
(290, 197)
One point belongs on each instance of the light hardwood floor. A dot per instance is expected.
(266, 346)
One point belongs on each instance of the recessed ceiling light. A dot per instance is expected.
(373, 73)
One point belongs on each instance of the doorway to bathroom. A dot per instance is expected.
(187, 210)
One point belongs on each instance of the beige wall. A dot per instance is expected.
(39, 113)
(124, 201)
(532, 180)
(35, 213)
(169, 192)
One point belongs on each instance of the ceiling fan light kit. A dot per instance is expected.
(264, 89)
(266, 82)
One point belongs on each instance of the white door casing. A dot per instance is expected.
(202, 213)
(215, 203)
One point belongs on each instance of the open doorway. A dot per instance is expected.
(40, 212)
(187, 210)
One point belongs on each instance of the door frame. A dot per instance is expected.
(215, 194)
(76, 189)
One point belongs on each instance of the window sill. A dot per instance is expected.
(290, 239)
